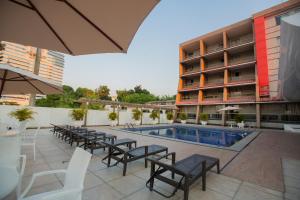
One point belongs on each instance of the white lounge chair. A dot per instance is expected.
(73, 183)
(29, 140)
(241, 124)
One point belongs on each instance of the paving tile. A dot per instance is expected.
(292, 182)
(101, 192)
(45, 188)
(127, 184)
(292, 193)
(248, 192)
(196, 194)
(39, 181)
(144, 194)
(221, 184)
(29, 170)
(110, 173)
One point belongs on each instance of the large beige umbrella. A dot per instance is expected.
(17, 81)
(73, 26)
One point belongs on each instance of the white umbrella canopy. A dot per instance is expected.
(229, 108)
(17, 81)
(74, 27)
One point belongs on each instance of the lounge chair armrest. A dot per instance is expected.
(35, 175)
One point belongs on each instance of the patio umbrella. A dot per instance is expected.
(229, 108)
(74, 27)
(17, 81)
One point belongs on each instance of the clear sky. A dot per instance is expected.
(152, 58)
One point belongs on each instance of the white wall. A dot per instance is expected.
(45, 116)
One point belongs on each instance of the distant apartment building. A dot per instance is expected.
(237, 65)
(24, 57)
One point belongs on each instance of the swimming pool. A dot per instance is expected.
(201, 135)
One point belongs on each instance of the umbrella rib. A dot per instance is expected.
(31, 84)
(49, 26)
(21, 4)
(94, 25)
(3, 82)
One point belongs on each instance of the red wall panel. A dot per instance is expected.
(261, 56)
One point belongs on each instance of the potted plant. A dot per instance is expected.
(112, 117)
(170, 117)
(154, 115)
(23, 116)
(239, 119)
(203, 118)
(77, 115)
(183, 118)
(136, 116)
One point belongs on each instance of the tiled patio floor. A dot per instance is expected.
(108, 183)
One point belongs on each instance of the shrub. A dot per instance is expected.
(238, 118)
(113, 116)
(203, 117)
(169, 115)
(136, 114)
(182, 116)
(22, 114)
(154, 114)
(77, 114)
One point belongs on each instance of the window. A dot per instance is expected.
(278, 20)
(237, 74)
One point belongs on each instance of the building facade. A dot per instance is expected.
(24, 57)
(237, 65)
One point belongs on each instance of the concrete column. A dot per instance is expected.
(198, 114)
(36, 70)
(258, 115)
(223, 118)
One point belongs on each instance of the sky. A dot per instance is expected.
(153, 56)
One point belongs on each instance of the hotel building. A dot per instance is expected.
(237, 65)
(24, 57)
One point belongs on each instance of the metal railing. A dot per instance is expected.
(247, 78)
(241, 40)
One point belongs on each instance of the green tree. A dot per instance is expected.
(139, 98)
(103, 92)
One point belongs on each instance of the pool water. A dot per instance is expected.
(212, 136)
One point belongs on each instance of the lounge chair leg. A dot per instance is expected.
(186, 189)
(125, 164)
(151, 173)
(109, 157)
(218, 167)
(146, 163)
(204, 175)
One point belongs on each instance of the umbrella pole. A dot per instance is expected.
(3, 82)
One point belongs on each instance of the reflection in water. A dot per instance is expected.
(212, 136)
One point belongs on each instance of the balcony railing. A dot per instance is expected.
(214, 83)
(242, 79)
(189, 101)
(213, 100)
(193, 71)
(191, 86)
(192, 56)
(241, 60)
(241, 40)
(242, 98)
(213, 49)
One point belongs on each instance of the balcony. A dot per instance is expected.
(242, 98)
(240, 80)
(191, 71)
(237, 61)
(212, 100)
(188, 101)
(188, 87)
(239, 41)
(191, 56)
(214, 83)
